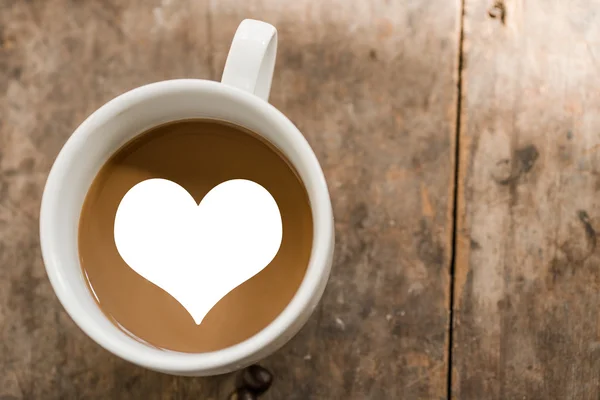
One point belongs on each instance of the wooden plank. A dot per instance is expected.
(527, 284)
(373, 87)
(59, 61)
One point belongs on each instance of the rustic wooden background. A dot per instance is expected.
(461, 143)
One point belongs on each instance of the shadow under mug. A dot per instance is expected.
(240, 98)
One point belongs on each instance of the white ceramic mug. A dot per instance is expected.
(241, 98)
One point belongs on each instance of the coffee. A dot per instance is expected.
(198, 155)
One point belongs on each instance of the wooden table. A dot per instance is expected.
(461, 143)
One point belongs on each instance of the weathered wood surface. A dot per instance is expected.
(527, 275)
(373, 87)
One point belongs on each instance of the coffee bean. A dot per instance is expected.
(257, 378)
(242, 394)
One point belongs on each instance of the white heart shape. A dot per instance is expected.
(198, 253)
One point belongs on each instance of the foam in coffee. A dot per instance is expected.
(198, 155)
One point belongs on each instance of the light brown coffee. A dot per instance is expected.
(198, 155)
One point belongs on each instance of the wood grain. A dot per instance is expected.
(527, 282)
(373, 87)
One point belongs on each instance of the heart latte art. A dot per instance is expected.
(198, 253)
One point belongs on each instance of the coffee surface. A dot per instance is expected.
(198, 155)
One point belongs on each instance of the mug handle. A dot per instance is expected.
(251, 58)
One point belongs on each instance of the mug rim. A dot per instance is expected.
(289, 320)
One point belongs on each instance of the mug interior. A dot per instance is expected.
(107, 130)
